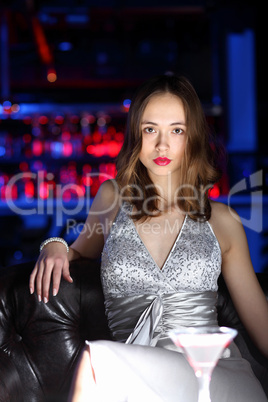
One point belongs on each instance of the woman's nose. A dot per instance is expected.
(162, 143)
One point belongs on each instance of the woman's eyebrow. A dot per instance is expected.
(178, 123)
(171, 124)
(149, 122)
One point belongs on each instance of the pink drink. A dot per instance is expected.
(203, 350)
(203, 347)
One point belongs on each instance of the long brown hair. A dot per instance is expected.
(198, 169)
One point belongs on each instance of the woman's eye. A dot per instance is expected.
(149, 130)
(178, 131)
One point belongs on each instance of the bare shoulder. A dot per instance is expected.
(226, 224)
(224, 214)
(100, 217)
(109, 188)
(107, 196)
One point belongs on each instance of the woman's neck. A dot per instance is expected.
(167, 188)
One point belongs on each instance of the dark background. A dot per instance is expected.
(100, 51)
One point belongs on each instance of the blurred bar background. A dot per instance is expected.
(68, 72)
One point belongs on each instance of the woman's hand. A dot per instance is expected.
(53, 262)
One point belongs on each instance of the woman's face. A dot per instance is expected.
(163, 126)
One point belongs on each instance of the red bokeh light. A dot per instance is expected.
(43, 120)
(44, 190)
(29, 189)
(67, 149)
(27, 138)
(24, 166)
(37, 147)
(9, 192)
(214, 192)
(59, 120)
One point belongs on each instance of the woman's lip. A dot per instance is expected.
(162, 161)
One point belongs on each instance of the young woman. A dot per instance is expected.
(163, 245)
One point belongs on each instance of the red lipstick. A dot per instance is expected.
(162, 161)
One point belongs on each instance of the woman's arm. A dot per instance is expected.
(53, 261)
(240, 278)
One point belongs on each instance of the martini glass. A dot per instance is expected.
(203, 346)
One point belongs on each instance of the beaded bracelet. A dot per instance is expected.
(52, 239)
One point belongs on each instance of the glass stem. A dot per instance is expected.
(203, 386)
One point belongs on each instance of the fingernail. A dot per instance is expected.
(54, 292)
(39, 298)
(71, 278)
(31, 291)
(45, 300)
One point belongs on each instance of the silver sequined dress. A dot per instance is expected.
(143, 303)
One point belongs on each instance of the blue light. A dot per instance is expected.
(65, 46)
(7, 103)
(102, 57)
(77, 18)
(36, 131)
(2, 151)
(56, 149)
(246, 173)
(242, 91)
(216, 100)
(145, 47)
(18, 255)
(47, 19)
(126, 103)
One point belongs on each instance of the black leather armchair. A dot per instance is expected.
(40, 343)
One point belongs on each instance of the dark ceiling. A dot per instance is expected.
(101, 50)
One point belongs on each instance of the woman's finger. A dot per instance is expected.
(32, 278)
(57, 274)
(46, 279)
(66, 272)
(38, 279)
